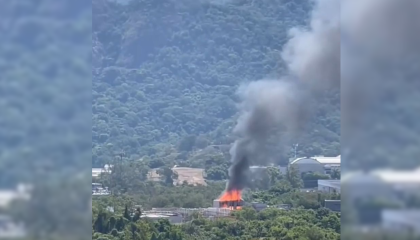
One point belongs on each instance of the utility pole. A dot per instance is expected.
(117, 179)
(296, 146)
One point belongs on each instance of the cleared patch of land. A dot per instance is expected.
(193, 176)
(152, 175)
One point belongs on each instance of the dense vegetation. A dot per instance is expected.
(45, 118)
(164, 77)
(307, 219)
(45, 89)
(246, 224)
(166, 72)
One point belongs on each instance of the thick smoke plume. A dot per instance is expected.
(313, 58)
(380, 58)
(313, 55)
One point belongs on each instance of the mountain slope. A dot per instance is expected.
(165, 70)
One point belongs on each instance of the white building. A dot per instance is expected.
(99, 190)
(401, 220)
(329, 186)
(96, 172)
(7, 196)
(318, 164)
(156, 216)
(400, 180)
(10, 229)
(386, 184)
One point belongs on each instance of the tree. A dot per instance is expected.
(216, 173)
(293, 177)
(336, 174)
(127, 214)
(137, 215)
(154, 237)
(168, 175)
(134, 111)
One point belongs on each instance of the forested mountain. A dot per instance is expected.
(45, 119)
(166, 72)
(45, 89)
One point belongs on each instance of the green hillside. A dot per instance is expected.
(166, 72)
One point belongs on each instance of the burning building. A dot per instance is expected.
(230, 199)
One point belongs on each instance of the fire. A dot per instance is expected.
(229, 197)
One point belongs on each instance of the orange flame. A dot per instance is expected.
(229, 197)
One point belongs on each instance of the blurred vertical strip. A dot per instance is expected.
(380, 73)
(45, 116)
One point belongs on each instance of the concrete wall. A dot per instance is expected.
(259, 206)
(333, 205)
(329, 186)
(401, 220)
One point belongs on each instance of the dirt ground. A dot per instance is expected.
(193, 176)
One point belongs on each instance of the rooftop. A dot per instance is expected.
(7, 196)
(322, 160)
(97, 171)
(154, 216)
(394, 176)
(385, 175)
(330, 183)
(409, 216)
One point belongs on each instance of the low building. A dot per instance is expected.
(333, 205)
(317, 164)
(385, 184)
(99, 190)
(259, 206)
(10, 229)
(96, 172)
(329, 186)
(400, 180)
(7, 196)
(258, 168)
(173, 218)
(405, 220)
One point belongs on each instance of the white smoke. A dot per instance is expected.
(379, 70)
(313, 54)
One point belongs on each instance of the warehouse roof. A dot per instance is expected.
(330, 183)
(395, 176)
(407, 216)
(320, 159)
(387, 175)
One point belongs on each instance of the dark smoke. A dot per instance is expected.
(380, 73)
(313, 57)
(265, 105)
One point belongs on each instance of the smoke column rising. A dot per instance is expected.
(313, 57)
(380, 73)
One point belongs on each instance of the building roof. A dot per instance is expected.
(359, 176)
(408, 216)
(387, 176)
(330, 183)
(154, 216)
(97, 171)
(394, 176)
(320, 159)
(304, 160)
(329, 160)
(257, 167)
